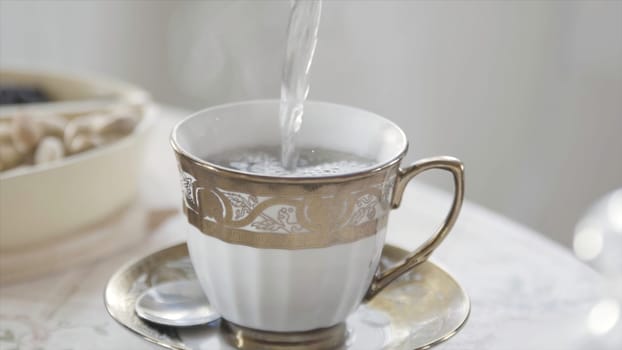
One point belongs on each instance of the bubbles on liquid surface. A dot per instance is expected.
(311, 162)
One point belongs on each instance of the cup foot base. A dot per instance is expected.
(317, 339)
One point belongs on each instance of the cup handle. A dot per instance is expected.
(421, 254)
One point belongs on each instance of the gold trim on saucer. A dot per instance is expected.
(422, 308)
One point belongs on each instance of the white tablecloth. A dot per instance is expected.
(525, 291)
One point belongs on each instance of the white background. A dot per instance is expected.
(528, 94)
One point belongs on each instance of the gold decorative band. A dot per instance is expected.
(290, 241)
(284, 215)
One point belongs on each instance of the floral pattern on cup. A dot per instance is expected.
(356, 213)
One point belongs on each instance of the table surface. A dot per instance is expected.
(526, 291)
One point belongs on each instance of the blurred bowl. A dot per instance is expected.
(42, 203)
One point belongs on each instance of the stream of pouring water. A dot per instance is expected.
(301, 41)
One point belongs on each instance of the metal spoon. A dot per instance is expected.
(178, 304)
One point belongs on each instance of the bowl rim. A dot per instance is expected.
(120, 91)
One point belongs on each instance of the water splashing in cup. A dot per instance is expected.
(301, 41)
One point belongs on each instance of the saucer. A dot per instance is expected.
(419, 310)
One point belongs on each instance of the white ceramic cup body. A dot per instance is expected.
(284, 290)
(288, 290)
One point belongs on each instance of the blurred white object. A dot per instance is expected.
(604, 316)
(598, 235)
(41, 203)
(598, 241)
(121, 231)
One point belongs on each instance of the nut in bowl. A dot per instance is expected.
(70, 158)
(28, 139)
